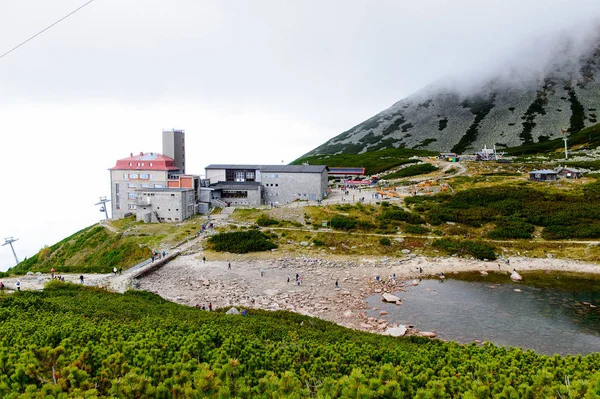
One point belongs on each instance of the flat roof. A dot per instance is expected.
(273, 168)
(544, 172)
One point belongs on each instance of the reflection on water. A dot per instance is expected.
(547, 320)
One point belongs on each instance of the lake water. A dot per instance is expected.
(541, 317)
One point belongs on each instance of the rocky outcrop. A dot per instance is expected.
(500, 112)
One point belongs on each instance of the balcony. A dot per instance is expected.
(145, 201)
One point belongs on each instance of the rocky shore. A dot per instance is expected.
(190, 281)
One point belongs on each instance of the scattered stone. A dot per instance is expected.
(348, 314)
(415, 282)
(365, 325)
(396, 331)
(304, 244)
(515, 276)
(518, 290)
(405, 251)
(483, 273)
(383, 313)
(389, 298)
(428, 334)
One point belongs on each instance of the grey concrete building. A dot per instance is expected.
(173, 144)
(234, 193)
(280, 184)
(165, 204)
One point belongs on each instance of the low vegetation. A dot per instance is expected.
(93, 250)
(412, 170)
(373, 161)
(476, 249)
(516, 210)
(241, 242)
(97, 249)
(70, 341)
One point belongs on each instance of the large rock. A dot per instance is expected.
(389, 298)
(428, 334)
(396, 331)
(515, 276)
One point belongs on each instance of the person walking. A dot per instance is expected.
(52, 273)
(81, 278)
(262, 273)
(18, 284)
(120, 270)
(115, 270)
(336, 284)
(288, 280)
(203, 259)
(164, 253)
(210, 306)
(229, 266)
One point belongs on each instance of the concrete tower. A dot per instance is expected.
(174, 147)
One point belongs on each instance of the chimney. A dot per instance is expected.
(141, 153)
(131, 154)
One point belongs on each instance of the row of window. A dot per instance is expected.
(271, 185)
(140, 164)
(144, 176)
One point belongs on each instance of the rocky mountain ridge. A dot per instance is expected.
(499, 112)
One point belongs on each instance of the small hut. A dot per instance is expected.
(569, 173)
(543, 175)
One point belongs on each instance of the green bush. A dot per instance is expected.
(476, 249)
(416, 229)
(241, 242)
(264, 220)
(385, 241)
(395, 214)
(412, 170)
(342, 223)
(319, 243)
(509, 228)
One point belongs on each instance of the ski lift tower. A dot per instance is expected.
(564, 132)
(9, 241)
(103, 207)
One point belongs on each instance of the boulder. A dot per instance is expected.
(365, 325)
(515, 276)
(415, 282)
(348, 313)
(405, 251)
(232, 311)
(428, 334)
(304, 244)
(389, 298)
(383, 313)
(483, 273)
(396, 331)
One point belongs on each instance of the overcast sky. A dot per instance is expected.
(250, 82)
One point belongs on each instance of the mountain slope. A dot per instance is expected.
(502, 111)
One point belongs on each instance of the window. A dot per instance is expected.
(132, 185)
(125, 176)
(131, 195)
(151, 176)
(176, 210)
(118, 197)
(150, 165)
(133, 176)
(172, 195)
(142, 164)
(131, 206)
(145, 185)
(130, 163)
(277, 176)
(144, 176)
(276, 185)
(158, 186)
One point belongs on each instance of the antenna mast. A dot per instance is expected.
(9, 241)
(103, 207)
(564, 132)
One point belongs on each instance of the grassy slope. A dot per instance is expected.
(586, 138)
(96, 249)
(373, 162)
(83, 342)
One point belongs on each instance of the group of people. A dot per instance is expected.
(299, 279)
(210, 307)
(115, 271)
(158, 255)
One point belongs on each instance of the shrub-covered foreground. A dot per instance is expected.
(70, 341)
(241, 242)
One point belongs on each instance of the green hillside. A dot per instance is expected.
(373, 161)
(71, 341)
(97, 249)
(586, 138)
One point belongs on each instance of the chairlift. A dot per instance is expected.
(102, 209)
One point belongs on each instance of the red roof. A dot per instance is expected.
(146, 161)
